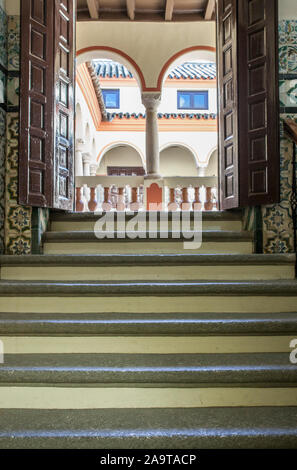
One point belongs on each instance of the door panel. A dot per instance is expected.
(47, 109)
(64, 116)
(36, 120)
(227, 99)
(258, 103)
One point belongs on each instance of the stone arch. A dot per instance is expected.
(105, 52)
(120, 143)
(207, 53)
(133, 156)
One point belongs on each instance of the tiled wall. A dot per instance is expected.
(277, 219)
(18, 223)
(3, 109)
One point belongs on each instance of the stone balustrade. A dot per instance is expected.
(130, 193)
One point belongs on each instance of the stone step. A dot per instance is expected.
(86, 242)
(145, 267)
(206, 324)
(85, 221)
(165, 297)
(283, 288)
(171, 428)
(176, 370)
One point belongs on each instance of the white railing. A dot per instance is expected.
(131, 193)
(106, 193)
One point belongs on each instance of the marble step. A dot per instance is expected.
(145, 267)
(176, 370)
(85, 242)
(214, 220)
(148, 324)
(171, 428)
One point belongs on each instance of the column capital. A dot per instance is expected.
(151, 101)
(93, 169)
(79, 144)
(86, 157)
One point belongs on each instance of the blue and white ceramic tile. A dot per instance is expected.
(3, 37)
(13, 91)
(13, 43)
(288, 93)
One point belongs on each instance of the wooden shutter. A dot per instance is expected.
(248, 103)
(64, 105)
(258, 103)
(37, 106)
(46, 128)
(228, 102)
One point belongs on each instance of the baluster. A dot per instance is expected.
(92, 204)
(106, 206)
(121, 205)
(79, 205)
(185, 205)
(172, 206)
(134, 205)
(208, 206)
(197, 204)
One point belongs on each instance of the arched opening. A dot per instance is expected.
(103, 52)
(178, 160)
(121, 160)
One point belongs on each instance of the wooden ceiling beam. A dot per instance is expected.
(131, 9)
(210, 10)
(93, 6)
(169, 10)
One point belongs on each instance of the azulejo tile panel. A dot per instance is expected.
(277, 219)
(3, 63)
(18, 218)
(13, 43)
(3, 37)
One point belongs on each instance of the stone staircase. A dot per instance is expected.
(120, 343)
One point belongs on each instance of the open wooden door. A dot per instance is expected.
(248, 103)
(46, 170)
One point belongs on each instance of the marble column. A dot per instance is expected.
(79, 148)
(86, 158)
(151, 101)
(93, 169)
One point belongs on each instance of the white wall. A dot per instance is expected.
(130, 99)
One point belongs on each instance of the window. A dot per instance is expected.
(192, 99)
(111, 98)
